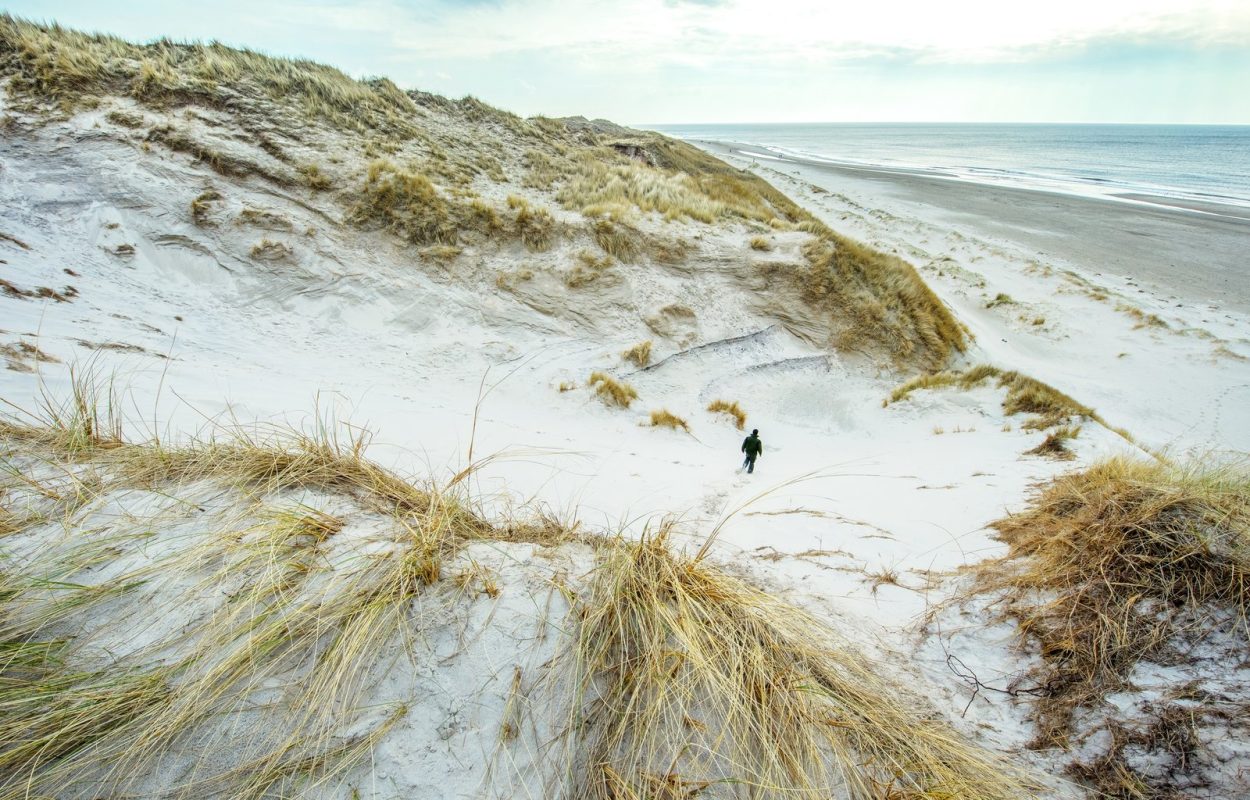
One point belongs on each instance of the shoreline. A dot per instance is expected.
(1195, 250)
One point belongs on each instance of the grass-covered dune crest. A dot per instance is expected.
(458, 178)
(311, 604)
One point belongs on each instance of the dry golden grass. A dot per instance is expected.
(676, 675)
(269, 250)
(534, 226)
(663, 418)
(588, 269)
(408, 204)
(317, 180)
(620, 241)
(1025, 395)
(1055, 444)
(1143, 319)
(202, 207)
(1000, 299)
(639, 355)
(263, 218)
(732, 409)
(877, 300)
(686, 678)
(611, 391)
(760, 243)
(1125, 562)
(62, 65)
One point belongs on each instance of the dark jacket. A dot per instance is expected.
(752, 446)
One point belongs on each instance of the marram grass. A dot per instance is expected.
(688, 682)
(675, 676)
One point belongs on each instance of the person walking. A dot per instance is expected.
(753, 448)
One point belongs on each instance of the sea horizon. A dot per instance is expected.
(1202, 163)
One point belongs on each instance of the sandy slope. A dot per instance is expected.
(197, 329)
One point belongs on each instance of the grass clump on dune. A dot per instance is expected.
(535, 227)
(663, 418)
(1127, 562)
(1055, 444)
(611, 391)
(279, 620)
(1025, 395)
(243, 607)
(732, 409)
(878, 300)
(408, 204)
(689, 682)
(639, 355)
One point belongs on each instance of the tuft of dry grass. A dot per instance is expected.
(639, 355)
(760, 243)
(611, 391)
(317, 180)
(50, 62)
(1055, 444)
(264, 219)
(1025, 395)
(1126, 562)
(534, 226)
(202, 207)
(1000, 299)
(269, 250)
(618, 240)
(732, 409)
(663, 418)
(588, 269)
(407, 203)
(685, 677)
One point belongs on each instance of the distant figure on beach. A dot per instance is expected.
(753, 448)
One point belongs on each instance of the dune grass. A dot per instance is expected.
(1125, 562)
(49, 61)
(686, 680)
(663, 418)
(1055, 444)
(639, 355)
(877, 300)
(420, 185)
(1048, 406)
(611, 391)
(731, 409)
(674, 675)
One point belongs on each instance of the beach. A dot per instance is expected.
(1193, 252)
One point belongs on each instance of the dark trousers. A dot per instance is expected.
(749, 463)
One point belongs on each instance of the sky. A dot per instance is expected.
(698, 61)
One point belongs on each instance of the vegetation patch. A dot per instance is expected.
(203, 205)
(639, 355)
(685, 678)
(876, 300)
(1128, 564)
(663, 418)
(1055, 445)
(611, 391)
(269, 250)
(588, 269)
(1025, 395)
(731, 409)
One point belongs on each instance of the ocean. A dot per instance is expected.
(1204, 163)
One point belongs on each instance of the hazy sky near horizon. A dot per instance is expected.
(657, 61)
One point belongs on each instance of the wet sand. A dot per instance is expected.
(1198, 251)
